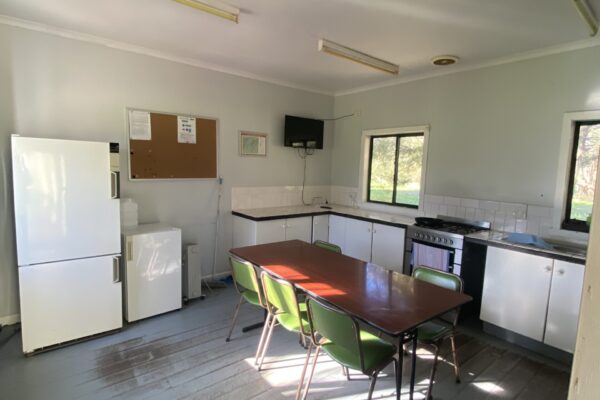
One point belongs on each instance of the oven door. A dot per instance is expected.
(429, 255)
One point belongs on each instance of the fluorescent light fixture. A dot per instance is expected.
(356, 56)
(587, 15)
(214, 7)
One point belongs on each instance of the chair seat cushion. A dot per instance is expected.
(376, 351)
(292, 323)
(251, 297)
(432, 331)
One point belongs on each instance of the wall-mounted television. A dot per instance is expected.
(303, 132)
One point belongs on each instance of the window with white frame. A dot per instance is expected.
(394, 166)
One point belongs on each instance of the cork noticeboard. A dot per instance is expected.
(163, 155)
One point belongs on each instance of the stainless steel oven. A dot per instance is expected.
(441, 246)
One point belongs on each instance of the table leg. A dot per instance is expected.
(399, 368)
(414, 365)
(255, 326)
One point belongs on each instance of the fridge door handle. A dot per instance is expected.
(116, 270)
(114, 185)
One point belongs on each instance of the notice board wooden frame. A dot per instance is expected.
(164, 158)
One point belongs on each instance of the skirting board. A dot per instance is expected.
(10, 319)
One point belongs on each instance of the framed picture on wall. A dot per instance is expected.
(253, 144)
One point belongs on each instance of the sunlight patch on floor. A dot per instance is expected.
(488, 387)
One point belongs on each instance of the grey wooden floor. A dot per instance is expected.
(183, 355)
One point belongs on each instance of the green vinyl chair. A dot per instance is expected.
(246, 283)
(328, 246)
(283, 309)
(433, 333)
(339, 335)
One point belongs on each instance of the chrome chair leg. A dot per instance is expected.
(235, 315)
(455, 359)
(301, 383)
(432, 376)
(372, 385)
(266, 344)
(262, 338)
(312, 371)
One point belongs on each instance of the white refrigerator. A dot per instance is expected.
(68, 239)
(152, 270)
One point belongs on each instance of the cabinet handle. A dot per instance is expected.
(548, 268)
(129, 251)
(561, 271)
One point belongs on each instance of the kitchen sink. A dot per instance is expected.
(547, 243)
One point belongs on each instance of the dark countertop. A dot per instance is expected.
(266, 214)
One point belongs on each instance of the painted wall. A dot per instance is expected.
(56, 87)
(495, 132)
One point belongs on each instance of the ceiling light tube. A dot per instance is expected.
(214, 7)
(587, 15)
(356, 56)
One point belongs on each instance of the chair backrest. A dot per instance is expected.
(335, 326)
(328, 246)
(280, 295)
(443, 279)
(244, 275)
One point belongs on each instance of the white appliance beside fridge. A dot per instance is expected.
(152, 270)
(68, 239)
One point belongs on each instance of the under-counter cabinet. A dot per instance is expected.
(337, 231)
(535, 296)
(388, 246)
(372, 242)
(357, 241)
(564, 304)
(247, 232)
(321, 228)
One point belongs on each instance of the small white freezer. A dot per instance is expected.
(152, 270)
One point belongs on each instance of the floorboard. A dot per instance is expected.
(183, 355)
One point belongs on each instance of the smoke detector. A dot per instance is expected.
(444, 60)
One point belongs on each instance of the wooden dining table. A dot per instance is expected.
(388, 301)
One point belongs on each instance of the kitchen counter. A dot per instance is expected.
(495, 238)
(265, 214)
(488, 238)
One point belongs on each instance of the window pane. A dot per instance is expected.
(410, 156)
(585, 171)
(382, 169)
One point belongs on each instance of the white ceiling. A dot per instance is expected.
(276, 40)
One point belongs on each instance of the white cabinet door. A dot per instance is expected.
(298, 228)
(358, 239)
(321, 228)
(563, 307)
(515, 291)
(388, 247)
(337, 231)
(69, 300)
(270, 231)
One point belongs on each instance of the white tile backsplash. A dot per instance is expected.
(276, 196)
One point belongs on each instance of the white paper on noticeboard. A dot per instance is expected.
(186, 129)
(139, 125)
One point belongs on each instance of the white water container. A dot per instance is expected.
(129, 213)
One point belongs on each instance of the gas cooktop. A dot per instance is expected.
(453, 227)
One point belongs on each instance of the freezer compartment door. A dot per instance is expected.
(65, 200)
(69, 300)
(152, 273)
